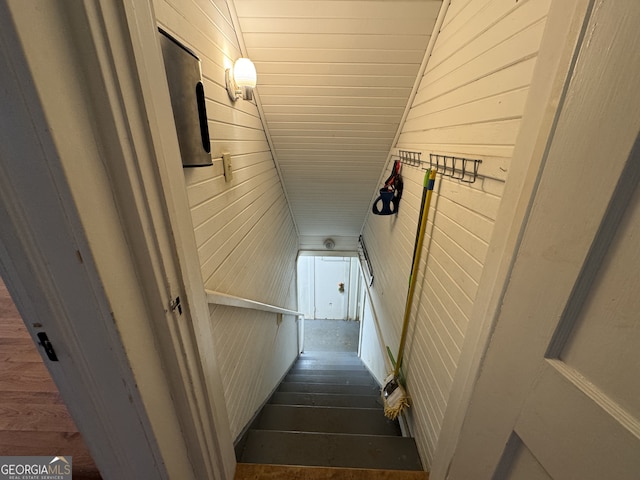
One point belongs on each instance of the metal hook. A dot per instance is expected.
(455, 167)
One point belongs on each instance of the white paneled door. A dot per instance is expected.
(558, 396)
(582, 415)
(331, 301)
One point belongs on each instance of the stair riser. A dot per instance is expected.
(290, 448)
(326, 400)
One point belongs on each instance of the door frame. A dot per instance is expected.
(564, 32)
(320, 294)
(142, 383)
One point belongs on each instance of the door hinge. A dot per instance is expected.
(48, 347)
(175, 305)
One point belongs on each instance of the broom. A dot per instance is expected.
(393, 393)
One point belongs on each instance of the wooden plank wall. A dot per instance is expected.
(246, 239)
(469, 103)
(370, 344)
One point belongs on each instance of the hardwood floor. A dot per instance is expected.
(33, 417)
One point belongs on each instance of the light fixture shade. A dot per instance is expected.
(244, 73)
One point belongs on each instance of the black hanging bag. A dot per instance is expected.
(390, 194)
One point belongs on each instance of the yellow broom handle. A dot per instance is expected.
(414, 273)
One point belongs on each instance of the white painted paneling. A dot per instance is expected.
(246, 238)
(255, 352)
(469, 103)
(306, 286)
(370, 345)
(354, 291)
(334, 79)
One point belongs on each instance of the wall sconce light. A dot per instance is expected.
(241, 79)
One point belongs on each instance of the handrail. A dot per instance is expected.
(219, 298)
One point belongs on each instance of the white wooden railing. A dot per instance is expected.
(219, 298)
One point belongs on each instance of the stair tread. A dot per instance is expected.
(324, 353)
(329, 371)
(332, 450)
(326, 399)
(335, 379)
(333, 365)
(329, 358)
(329, 388)
(328, 413)
(304, 418)
(334, 369)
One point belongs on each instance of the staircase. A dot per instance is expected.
(327, 413)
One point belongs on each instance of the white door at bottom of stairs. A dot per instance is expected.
(558, 395)
(331, 301)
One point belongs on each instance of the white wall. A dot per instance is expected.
(257, 352)
(306, 285)
(469, 103)
(246, 239)
(370, 344)
(355, 291)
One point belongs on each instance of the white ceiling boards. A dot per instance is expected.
(334, 79)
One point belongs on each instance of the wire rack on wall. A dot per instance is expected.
(410, 158)
(458, 168)
(463, 169)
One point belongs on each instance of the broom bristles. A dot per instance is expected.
(394, 397)
(393, 411)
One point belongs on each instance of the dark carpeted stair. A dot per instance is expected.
(328, 412)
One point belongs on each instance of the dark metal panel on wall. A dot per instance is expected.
(188, 102)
